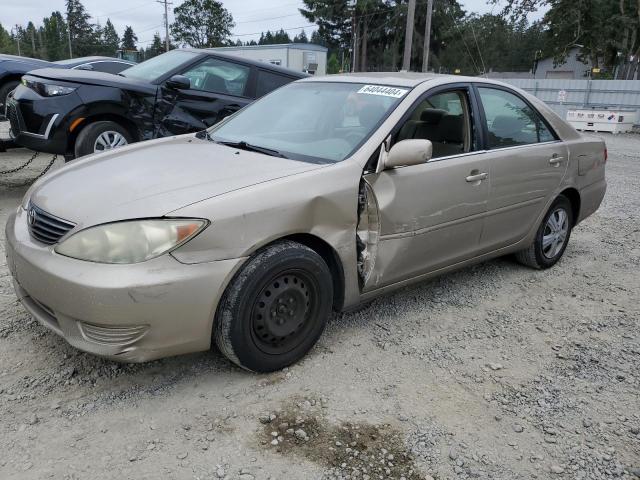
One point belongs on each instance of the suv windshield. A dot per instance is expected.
(311, 121)
(152, 69)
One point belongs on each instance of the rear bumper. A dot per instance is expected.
(130, 313)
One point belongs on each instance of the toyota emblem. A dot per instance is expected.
(31, 216)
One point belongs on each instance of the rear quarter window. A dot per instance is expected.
(269, 81)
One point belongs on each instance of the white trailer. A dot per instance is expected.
(303, 57)
(613, 121)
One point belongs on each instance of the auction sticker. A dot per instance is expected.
(384, 91)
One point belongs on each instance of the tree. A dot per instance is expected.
(7, 43)
(110, 41)
(83, 38)
(202, 23)
(55, 37)
(157, 47)
(129, 39)
(333, 65)
(301, 38)
(607, 32)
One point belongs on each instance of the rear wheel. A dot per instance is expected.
(5, 90)
(275, 309)
(101, 136)
(552, 236)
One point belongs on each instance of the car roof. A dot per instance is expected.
(256, 63)
(399, 79)
(94, 58)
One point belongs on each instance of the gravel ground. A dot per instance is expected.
(494, 372)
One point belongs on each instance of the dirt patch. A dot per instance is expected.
(361, 450)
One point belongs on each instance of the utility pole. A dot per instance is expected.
(166, 21)
(427, 37)
(354, 36)
(69, 37)
(18, 38)
(408, 36)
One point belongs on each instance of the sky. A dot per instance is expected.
(146, 16)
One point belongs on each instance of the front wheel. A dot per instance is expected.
(275, 309)
(101, 136)
(5, 90)
(551, 238)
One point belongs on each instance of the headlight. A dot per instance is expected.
(131, 241)
(49, 90)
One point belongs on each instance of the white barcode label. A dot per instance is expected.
(383, 90)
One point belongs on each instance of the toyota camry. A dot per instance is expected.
(320, 196)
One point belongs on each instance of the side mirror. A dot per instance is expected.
(409, 152)
(179, 82)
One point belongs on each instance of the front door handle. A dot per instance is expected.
(555, 160)
(477, 177)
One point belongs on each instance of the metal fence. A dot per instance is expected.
(598, 94)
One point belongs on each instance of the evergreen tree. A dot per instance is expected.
(301, 38)
(156, 48)
(83, 38)
(55, 37)
(129, 39)
(110, 41)
(7, 43)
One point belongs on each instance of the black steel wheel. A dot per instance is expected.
(275, 308)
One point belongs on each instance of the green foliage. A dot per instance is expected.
(7, 42)
(129, 39)
(301, 38)
(607, 32)
(274, 38)
(333, 65)
(55, 37)
(110, 41)
(202, 23)
(83, 35)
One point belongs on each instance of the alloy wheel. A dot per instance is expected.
(555, 233)
(109, 140)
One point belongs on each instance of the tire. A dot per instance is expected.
(543, 253)
(88, 139)
(5, 90)
(275, 309)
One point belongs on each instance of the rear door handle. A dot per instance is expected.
(555, 161)
(478, 177)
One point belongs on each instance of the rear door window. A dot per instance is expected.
(269, 81)
(219, 76)
(511, 121)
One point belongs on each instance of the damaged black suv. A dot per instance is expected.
(75, 113)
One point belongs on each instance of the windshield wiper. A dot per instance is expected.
(253, 148)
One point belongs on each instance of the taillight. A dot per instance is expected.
(606, 155)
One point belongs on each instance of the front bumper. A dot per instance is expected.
(130, 313)
(41, 123)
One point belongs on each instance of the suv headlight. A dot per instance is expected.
(130, 241)
(49, 90)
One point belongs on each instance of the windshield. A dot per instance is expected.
(312, 120)
(152, 69)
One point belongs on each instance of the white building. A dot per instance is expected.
(303, 57)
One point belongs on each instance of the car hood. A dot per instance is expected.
(153, 178)
(88, 77)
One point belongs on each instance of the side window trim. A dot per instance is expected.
(477, 142)
(483, 118)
